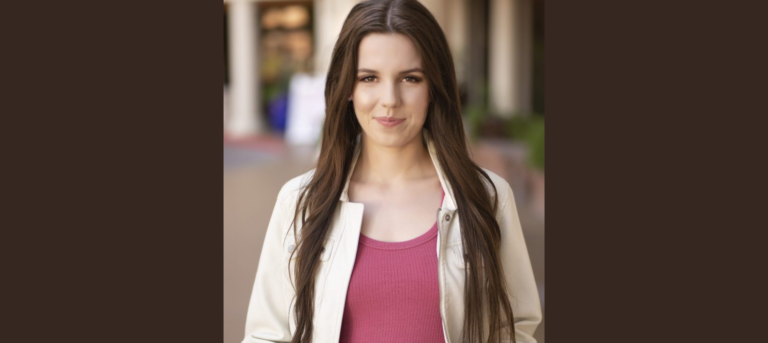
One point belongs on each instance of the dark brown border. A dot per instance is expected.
(647, 148)
(115, 134)
(112, 162)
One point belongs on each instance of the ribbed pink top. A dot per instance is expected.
(393, 293)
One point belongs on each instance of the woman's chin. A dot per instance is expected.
(390, 140)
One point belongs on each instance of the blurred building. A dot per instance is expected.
(497, 46)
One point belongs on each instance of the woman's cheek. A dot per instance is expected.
(419, 99)
(363, 100)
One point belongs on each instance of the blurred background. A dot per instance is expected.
(276, 55)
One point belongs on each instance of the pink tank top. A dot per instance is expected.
(393, 294)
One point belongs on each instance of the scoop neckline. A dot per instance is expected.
(421, 239)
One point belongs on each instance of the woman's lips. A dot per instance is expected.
(389, 122)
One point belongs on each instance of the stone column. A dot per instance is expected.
(329, 18)
(476, 72)
(510, 56)
(245, 116)
(456, 33)
(451, 15)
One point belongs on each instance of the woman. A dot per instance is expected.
(353, 252)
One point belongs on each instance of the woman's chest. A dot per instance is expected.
(399, 217)
(335, 276)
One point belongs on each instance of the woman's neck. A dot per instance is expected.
(392, 166)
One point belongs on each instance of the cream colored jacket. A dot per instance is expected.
(270, 315)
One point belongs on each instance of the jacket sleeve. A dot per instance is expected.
(268, 311)
(522, 291)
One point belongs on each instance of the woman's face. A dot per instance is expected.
(391, 93)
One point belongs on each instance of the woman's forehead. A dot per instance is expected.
(387, 52)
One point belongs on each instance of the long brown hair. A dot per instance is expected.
(485, 300)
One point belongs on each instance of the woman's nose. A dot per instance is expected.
(391, 96)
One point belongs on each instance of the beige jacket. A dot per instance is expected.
(270, 315)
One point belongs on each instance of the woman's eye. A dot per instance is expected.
(412, 79)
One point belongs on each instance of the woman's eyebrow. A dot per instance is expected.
(412, 70)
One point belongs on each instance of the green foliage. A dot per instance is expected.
(525, 127)
(476, 113)
(474, 116)
(529, 129)
(536, 144)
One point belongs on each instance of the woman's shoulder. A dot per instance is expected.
(502, 186)
(293, 187)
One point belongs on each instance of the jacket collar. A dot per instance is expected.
(448, 201)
